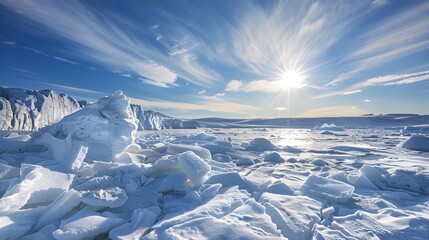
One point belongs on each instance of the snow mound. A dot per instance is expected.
(107, 125)
(410, 181)
(260, 144)
(329, 127)
(273, 157)
(85, 224)
(416, 142)
(388, 223)
(328, 189)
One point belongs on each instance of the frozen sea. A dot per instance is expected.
(93, 176)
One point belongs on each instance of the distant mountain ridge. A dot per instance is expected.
(30, 110)
(382, 120)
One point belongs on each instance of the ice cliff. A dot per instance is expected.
(30, 110)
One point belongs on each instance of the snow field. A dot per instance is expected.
(92, 175)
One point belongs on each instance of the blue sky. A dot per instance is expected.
(236, 59)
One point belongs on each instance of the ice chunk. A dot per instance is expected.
(409, 180)
(59, 208)
(181, 148)
(110, 197)
(38, 186)
(360, 181)
(8, 172)
(376, 175)
(329, 127)
(218, 206)
(131, 186)
(43, 234)
(173, 181)
(167, 164)
(318, 162)
(221, 157)
(388, 223)
(85, 224)
(416, 142)
(327, 212)
(218, 146)
(245, 161)
(248, 221)
(11, 228)
(229, 179)
(273, 157)
(70, 152)
(293, 215)
(279, 187)
(322, 232)
(260, 144)
(291, 149)
(201, 136)
(328, 189)
(258, 180)
(194, 167)
(141, 221)
(210, 192)
(107, 125)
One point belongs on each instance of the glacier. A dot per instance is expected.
(30, 110)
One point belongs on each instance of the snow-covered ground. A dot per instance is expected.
(93, 175)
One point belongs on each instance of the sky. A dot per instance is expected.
(230, 59)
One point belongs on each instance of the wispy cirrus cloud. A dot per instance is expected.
(105, 42)
(64, 60)
(287, 35)
(205, 105)
(398, 36)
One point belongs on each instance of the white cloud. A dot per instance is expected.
(351, 92)
(104, 41)
(64, 60)
(212, 106)
(154, 27)
(233, 85)
(201, 92)
(378, 3)
(287, 34)
(281, 108)
(367, 100)
(410, 80)
(9, 42)
(397, 36)
(71, 89)
(392, 77)
(154, 73)
(260, 86)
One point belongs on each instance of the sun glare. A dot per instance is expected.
(292, 79)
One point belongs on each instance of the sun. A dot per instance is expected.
(292, 79)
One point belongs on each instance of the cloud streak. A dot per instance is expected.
(212, 106)
(103, 41)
